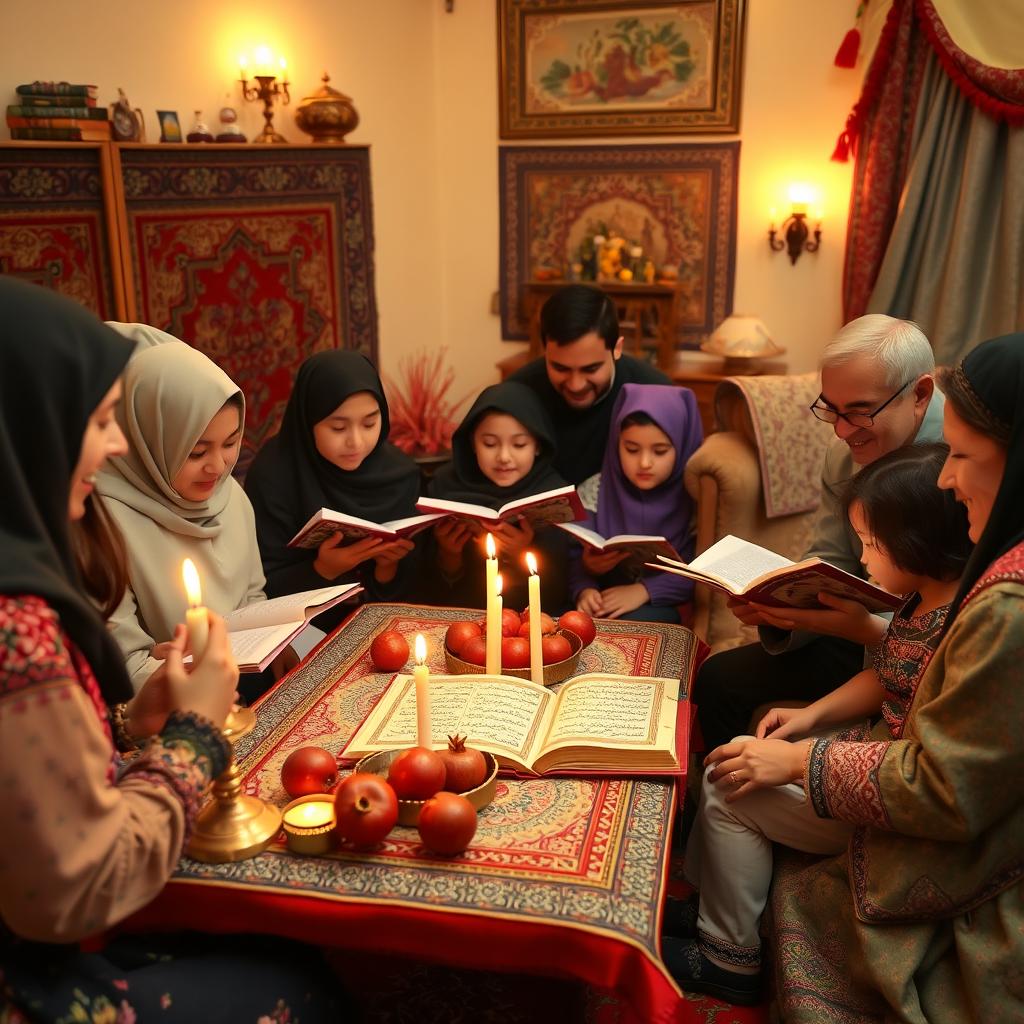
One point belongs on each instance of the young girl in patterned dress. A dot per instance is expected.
(915, 542)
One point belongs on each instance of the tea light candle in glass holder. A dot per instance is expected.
(308, 824)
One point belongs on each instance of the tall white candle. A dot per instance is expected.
(421, 678)
(492, 631)
(493, 661)
(196, 618)
(536, 648)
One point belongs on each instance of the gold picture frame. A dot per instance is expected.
(619, 67)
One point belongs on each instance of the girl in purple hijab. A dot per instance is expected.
(655, 429)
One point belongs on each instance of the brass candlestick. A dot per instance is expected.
(233, 826)
(267, 90)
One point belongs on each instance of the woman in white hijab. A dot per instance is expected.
(173, 496)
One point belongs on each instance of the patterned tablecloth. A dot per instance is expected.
(565, 876)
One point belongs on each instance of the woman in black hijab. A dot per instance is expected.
(926, 903)
(95, 839)
(503, 450)
(332, 452)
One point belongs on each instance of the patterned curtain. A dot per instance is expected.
(936, 230)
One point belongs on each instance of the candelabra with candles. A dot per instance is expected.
(267, 90)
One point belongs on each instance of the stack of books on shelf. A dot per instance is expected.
(58, 111)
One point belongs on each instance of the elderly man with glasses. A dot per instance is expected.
(878, 389)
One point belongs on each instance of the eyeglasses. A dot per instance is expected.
(827, 414)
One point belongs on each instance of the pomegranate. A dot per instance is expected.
(474, 651)
(459, 634)
(579, 623)
(464, 767)
(417, 773)
(309, 770)
(555, 648)
(447, 823)
(389, 651)
(365, 809)
(515, 652)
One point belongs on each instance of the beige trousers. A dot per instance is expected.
(729, 859)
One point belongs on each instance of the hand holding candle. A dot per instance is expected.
(421, 678)
(196, 618)
(536, 650)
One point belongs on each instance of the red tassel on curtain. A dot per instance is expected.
(849, 48)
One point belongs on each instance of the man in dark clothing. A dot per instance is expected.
(580, 375)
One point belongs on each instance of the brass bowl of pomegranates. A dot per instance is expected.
(409, 810)
(554, 672)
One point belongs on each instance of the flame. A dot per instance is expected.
(531, 563)
(420, 647)
(497, 584)
(192, 589)
(490, 546)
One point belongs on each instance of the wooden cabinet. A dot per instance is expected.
(256, 255)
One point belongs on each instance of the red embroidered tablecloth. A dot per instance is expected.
(565, 876)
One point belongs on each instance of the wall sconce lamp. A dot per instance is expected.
(267, 89)
(796, 235)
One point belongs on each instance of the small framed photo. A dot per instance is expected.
(170, 129)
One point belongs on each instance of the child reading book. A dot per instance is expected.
(172, 497)
(755, 792)
(332, 452)
(655, 429)
(503, 450)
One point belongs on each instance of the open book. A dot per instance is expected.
(326, 522)
(260, 631)
(639, 548)
(597, 723)
(561, 505)
(757, 574)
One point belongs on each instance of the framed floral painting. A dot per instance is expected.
(674, 203)
(619, 67)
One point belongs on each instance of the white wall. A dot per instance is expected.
(424, 82)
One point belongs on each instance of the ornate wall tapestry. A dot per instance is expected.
(54, 227)
(677, 201)
(257, 257)
(619, 67)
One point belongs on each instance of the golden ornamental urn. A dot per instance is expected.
(327, 115)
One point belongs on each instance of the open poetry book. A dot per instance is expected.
(639, 548)
(260, 631)
(326, 523)
(597, 723)
(561, 505)
(757, 574)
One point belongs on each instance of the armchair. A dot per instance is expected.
(757, 477)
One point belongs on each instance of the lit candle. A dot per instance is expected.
(308, 825)
(243, 66)
(284, 66)
(311, 815)
(536, 649)
(493, 666)
(421, 677)
(196, 618)
(493, 622)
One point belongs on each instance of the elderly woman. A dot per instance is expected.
(922, 917)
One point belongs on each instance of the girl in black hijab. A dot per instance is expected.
(503, 450)
(96, 838)
(332, 452)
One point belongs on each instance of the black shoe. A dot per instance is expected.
(680, 917)
(696, 973)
